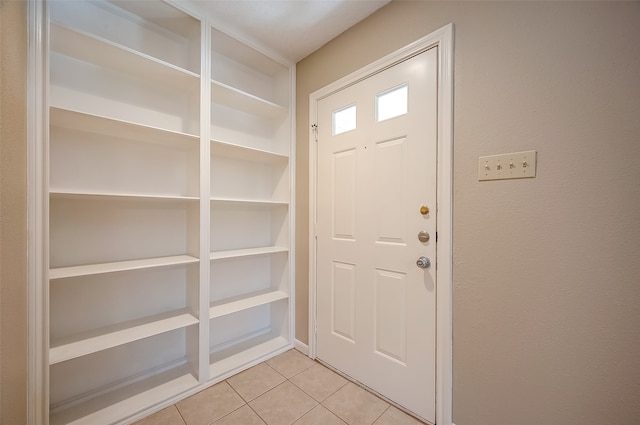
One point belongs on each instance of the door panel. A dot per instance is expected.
(390, 318)
(377, 161)
(344, 300)
(344, 209)
(390, 173)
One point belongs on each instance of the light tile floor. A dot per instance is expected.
(288, 389)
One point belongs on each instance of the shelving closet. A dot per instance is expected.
(168, 205)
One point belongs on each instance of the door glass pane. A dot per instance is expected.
(392, 103)
(344, 120)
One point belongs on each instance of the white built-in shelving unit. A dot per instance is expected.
(169, 207)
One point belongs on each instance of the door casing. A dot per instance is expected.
(443, 39)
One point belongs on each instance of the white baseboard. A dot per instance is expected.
(302, 347)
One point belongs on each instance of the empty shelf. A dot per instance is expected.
(119, 337)
(92, 269)
(223, 308)
(247, 252)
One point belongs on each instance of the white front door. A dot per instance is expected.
(376, 174)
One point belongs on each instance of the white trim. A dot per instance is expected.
(37, 211)
(203, 300)
(301, 346)
(313, 145)
(444, 301)
(292, 203)
(443, 38)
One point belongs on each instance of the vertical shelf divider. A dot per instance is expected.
(292, 202)
(205, 204)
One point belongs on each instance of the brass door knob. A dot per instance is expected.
(424, 210)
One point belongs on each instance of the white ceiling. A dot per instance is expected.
(290, 29)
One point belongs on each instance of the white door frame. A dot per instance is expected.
(443, 38)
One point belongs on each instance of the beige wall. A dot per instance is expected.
(13, 230)
(546, 271)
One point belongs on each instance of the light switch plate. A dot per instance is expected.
(517, 165)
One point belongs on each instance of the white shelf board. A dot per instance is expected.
(247, 252)
(76, 120)
(229, 307)
(119, 337)
(67, 194)
(162, 17)
(230, 360)
(125, 401)
(119, 266)
(248, 201)
(245, 153)
(107, 54)
(243, 101)
(225, 45)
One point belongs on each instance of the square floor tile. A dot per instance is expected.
(283, 405)
(394, 416)
(243, 416)
(319, 382)
(355, 406)
(255, 381)
(319, 415)
(209, 405)
(168, 416)
(290, 363)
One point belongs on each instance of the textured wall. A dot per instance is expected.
(13, 220)
(546, 272)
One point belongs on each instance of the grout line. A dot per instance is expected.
(301, 371)
(184, 421)
(272, 368)
(257, 414)
(302, 416)
(246, 403)
(253, 410)
(330, 395)
(228, 414)
(380, 415)
(234, 390)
